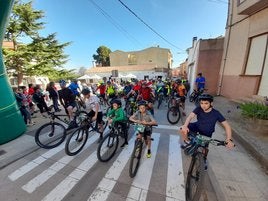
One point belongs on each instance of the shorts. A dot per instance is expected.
(147, 132)
(73, 104)
(99, 116)
(194, 128)
(181, 97)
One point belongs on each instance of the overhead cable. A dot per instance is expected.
(148, 25)
(120, 28)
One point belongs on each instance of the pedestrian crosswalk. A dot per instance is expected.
(140, 188)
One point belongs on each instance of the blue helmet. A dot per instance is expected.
(62, 83)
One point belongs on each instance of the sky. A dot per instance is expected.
(89, 24)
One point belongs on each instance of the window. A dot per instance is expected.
(256, 56)
(132, 59)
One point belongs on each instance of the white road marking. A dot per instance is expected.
(53, 169)
(168, 127)
(106, 185)
(62, 189)
(31, 165)
(175, 177)
(143, 176)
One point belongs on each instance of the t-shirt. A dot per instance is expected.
(67, 96)
(181, 90)
(206, 121)
(110, 89)
(146, 93)
(199, 84)
(92, 102)
(146, 116)
(117, 115)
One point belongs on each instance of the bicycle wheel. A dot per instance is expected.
(192, 97)
(76, 141)
(160, 100)
(107, 147)
(135, 158)
(173, 115)
(50, 135)
(195, 178)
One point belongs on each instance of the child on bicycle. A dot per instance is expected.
(207, 117)
(116, 116)
(95, 112)
(144, 117)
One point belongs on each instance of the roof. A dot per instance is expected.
(105, 69)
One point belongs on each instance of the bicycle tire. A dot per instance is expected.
(76, 141)
(173, 115)
(195, 176)
(192, 97)
(107, 147)
(160, 100)
(169, 104)
(50, 135)
(135, 159)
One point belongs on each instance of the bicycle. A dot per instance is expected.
(160, 98)
(109, 144)
(174, 113)
(195, 94)
(77, 140)
(198, 149)
(137, 151)
(53, 133)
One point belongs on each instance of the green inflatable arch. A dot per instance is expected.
(11, 122)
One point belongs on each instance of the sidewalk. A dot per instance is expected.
(235, 175)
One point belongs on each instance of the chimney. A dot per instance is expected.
(194, 39)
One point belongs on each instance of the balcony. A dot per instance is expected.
(249, 7)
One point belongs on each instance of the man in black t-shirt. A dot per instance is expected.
(67, 99)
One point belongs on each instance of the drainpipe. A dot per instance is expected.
(229, 21)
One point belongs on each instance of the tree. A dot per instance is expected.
(82, 71)
(42, 55)
(102, 58)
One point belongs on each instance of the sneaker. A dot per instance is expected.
(186, 144)
(124, 144)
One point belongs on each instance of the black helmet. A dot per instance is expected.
(117, 101)
(205, 97)
(178, 81)
(142, 102)
(85, 91)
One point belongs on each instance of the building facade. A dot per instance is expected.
(244, 66)
(205, 57)
(149, 63)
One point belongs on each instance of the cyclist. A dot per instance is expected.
(200, 82)
(207, 117)
(75, 88)
(67, 99)
(146, 93)
(110, 90)
(95, 112)
(117, 116)
(181, 93)
(143, 117)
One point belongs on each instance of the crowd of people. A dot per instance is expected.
(143, 92)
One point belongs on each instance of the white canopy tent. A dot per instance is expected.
(130, 75)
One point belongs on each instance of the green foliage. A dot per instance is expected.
(102, 58)
(254, 110)
(41, 55)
